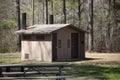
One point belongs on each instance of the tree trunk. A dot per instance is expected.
(109, 18)
(32, 12)
(18, 23)
(44, 20)
(111, 25)
(108, 38)
(64, 10)
(90, 26)
(79, 11)
(52, 6)
(46, 1)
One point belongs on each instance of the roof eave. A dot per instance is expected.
(23, 32)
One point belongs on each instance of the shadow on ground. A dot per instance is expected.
(94, 72)
(91, 59)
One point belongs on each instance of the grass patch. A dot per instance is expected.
(98, 72)
(9, 58)
(84, 71)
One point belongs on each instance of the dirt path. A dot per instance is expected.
(102, 58)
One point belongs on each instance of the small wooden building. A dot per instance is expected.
(53, 42)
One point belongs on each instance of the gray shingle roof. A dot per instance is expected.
(42, 29)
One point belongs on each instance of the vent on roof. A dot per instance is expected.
(51, 19)
(23, 20)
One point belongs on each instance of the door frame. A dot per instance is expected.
(74, 45)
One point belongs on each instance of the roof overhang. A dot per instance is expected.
(47, 29)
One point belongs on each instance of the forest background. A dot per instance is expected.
(105, 15)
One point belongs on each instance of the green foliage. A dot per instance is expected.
(10, 23)
(7, 36)
(72, 4)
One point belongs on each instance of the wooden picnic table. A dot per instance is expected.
(33, 67)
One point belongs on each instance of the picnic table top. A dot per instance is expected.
(46, 77)
(34, 65)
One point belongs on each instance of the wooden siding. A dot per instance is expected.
(64, 53)
(37, 50)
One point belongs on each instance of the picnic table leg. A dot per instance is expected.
(60, 73)
(7, 69)
(1, 75)
(22, 70)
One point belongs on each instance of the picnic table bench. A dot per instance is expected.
(36, 69)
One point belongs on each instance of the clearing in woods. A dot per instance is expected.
(94, 57)
(97, 66)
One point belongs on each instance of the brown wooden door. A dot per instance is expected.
(74, 45)
(54, 46)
